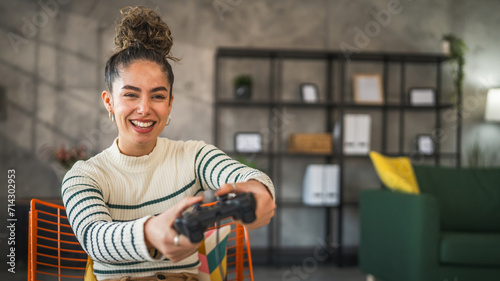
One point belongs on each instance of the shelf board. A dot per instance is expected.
(312, 155)
(396, 106)
(243, 103)
(251, 103)
(444, 154)
(264, 153)
(299, 154)
(303, 105)
(333, 55)
(293, 203)
(281, 154)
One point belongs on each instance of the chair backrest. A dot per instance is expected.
(54, 252)
(239, 257)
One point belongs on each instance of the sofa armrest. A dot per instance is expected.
(399, 235)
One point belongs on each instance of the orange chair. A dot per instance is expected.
(239, 257)
(54, 251)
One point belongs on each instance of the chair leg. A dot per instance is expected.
(370, 277)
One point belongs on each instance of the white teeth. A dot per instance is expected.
(142, 124)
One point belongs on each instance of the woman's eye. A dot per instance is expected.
(161, 97)
(131, 95)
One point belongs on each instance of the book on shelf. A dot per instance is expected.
(357, 133)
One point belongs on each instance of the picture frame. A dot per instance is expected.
(425, 144)
(420, 96)
(309, 92)
(248, 142)
(368, 89)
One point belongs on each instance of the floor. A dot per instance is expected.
(302, 272)
(308, 272)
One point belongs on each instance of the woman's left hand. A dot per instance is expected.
(265, 203)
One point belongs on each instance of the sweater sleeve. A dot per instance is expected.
(214, 168)
(103, 240)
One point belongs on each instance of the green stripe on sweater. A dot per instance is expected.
(228, 176)
(206, 166)
(83, 190)
(92, 214)
(225, 167)
(152, 269)
(199, 166)
(156, 201)
(213, 169)
(112, 242)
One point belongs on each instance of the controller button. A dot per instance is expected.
(161, 277)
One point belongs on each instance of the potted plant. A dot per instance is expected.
(457, 50)
(242, 86)
(62, 158)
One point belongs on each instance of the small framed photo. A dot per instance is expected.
(368, 89)
(309, 92)
(425, 144)
(248, 142)
(422, 97)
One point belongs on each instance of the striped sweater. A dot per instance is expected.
(110, 196)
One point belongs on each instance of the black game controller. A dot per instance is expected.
(194, 223)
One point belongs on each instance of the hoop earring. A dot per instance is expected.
(168, 120)
(111, 117)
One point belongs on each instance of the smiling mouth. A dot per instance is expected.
(142, 125)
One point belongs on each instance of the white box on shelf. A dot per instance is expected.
(331, 177)
(357, 129)
(313, 185)
(321, 185)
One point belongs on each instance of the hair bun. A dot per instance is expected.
(140, 25)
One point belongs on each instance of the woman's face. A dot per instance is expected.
(141, 103)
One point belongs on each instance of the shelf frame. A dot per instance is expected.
(334, 105)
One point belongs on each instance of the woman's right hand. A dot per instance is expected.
(159, 232)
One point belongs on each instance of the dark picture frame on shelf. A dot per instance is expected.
(425, 144)
(309, 92)
(248, 142)
(420, 96)
(368, 89)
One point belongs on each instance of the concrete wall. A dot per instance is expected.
(53, 57)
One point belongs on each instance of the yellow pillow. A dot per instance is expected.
(395, 172)
(89, 271)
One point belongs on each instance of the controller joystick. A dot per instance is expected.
(193, 223)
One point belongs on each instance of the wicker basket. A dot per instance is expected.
(310, 143)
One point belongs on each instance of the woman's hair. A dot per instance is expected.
(141, 35)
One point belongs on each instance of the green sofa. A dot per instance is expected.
(449, 232)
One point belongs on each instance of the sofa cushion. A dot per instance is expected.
(468, 199)
(462, 248)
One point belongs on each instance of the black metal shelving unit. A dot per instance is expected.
(333, 105)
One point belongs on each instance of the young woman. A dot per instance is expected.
(122, 202)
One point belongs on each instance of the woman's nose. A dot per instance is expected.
(144, 107)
